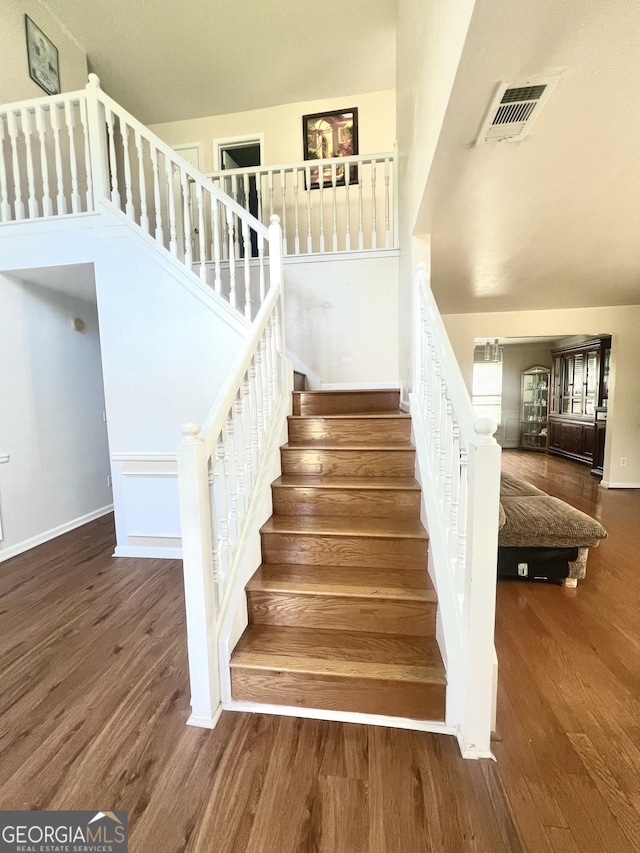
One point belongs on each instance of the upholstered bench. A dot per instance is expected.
(537, 529)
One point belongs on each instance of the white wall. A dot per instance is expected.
(429, 41)
(15, 82)
(340, 318)
(282, 127)
(622, 322)
(167, 346)
(51, 415)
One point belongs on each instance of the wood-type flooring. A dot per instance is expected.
(94, 697)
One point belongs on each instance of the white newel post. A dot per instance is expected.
(98, 145)
(199, 582)
(480, 587)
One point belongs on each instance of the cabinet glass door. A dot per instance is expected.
(591, 384)
(577, 396)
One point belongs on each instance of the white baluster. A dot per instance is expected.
(202, 250)
(374, 214)
(246, 189)
(261, 262)
(455, 488)
(171, 209)
(18, 206)
(283, 194)
(216, 568)
(239, 458)
(273, 345)
(260, 394)
(75, 194)
(144, 213)
(296, 213)
(186, 218)
(128, 184)
(84, 120)
(462, 523)
(387, 204)
(321, 204)
(360, 208)
(113, 162)
(25, 116)
(215, 233)
(232, 474)
(268, 370)
(235, 251)
(270, 191)
(157, 198)
(448, 448)
(246, 243)
(222, 505)
(232, 260)
(347, 178)
(247, 433)
(335, 207)
(255, 416)
(258, 180)
(61, 201)
(5, 207)
(307, 171)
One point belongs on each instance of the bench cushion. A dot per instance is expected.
(545, 522)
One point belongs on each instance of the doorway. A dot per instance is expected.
(242, 153)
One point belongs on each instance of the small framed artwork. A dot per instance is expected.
(43, 59)
(331, 134)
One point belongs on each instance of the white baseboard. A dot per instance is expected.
(608, 485)
(41, 538)
(152, 552)
(471, 751)
(205, 722)
(341, 717)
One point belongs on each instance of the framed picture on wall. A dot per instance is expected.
(327, 135)
(43, 59)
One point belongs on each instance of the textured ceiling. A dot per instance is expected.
(552, 221)
(176, 59)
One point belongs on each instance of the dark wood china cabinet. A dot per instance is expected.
(579, 395)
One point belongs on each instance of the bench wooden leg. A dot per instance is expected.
(572, 583)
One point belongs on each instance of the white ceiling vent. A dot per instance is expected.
(514, 108)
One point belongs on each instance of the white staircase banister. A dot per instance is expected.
(171, 155)
(214, 421)
(459, 463)
(456, 387)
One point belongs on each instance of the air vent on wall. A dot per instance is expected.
(514, 108)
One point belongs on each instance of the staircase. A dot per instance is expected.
(342, 612)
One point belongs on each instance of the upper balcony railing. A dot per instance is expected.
(341, 204)
(72, 153)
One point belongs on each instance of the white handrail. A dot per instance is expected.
(459, 465)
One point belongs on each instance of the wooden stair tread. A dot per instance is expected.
(324, 444)
(344, 654)
(346, 392)
(334, 481)
(393, 414)
(384, 528)
(344, 581)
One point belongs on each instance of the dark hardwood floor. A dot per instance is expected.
(94, 697)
